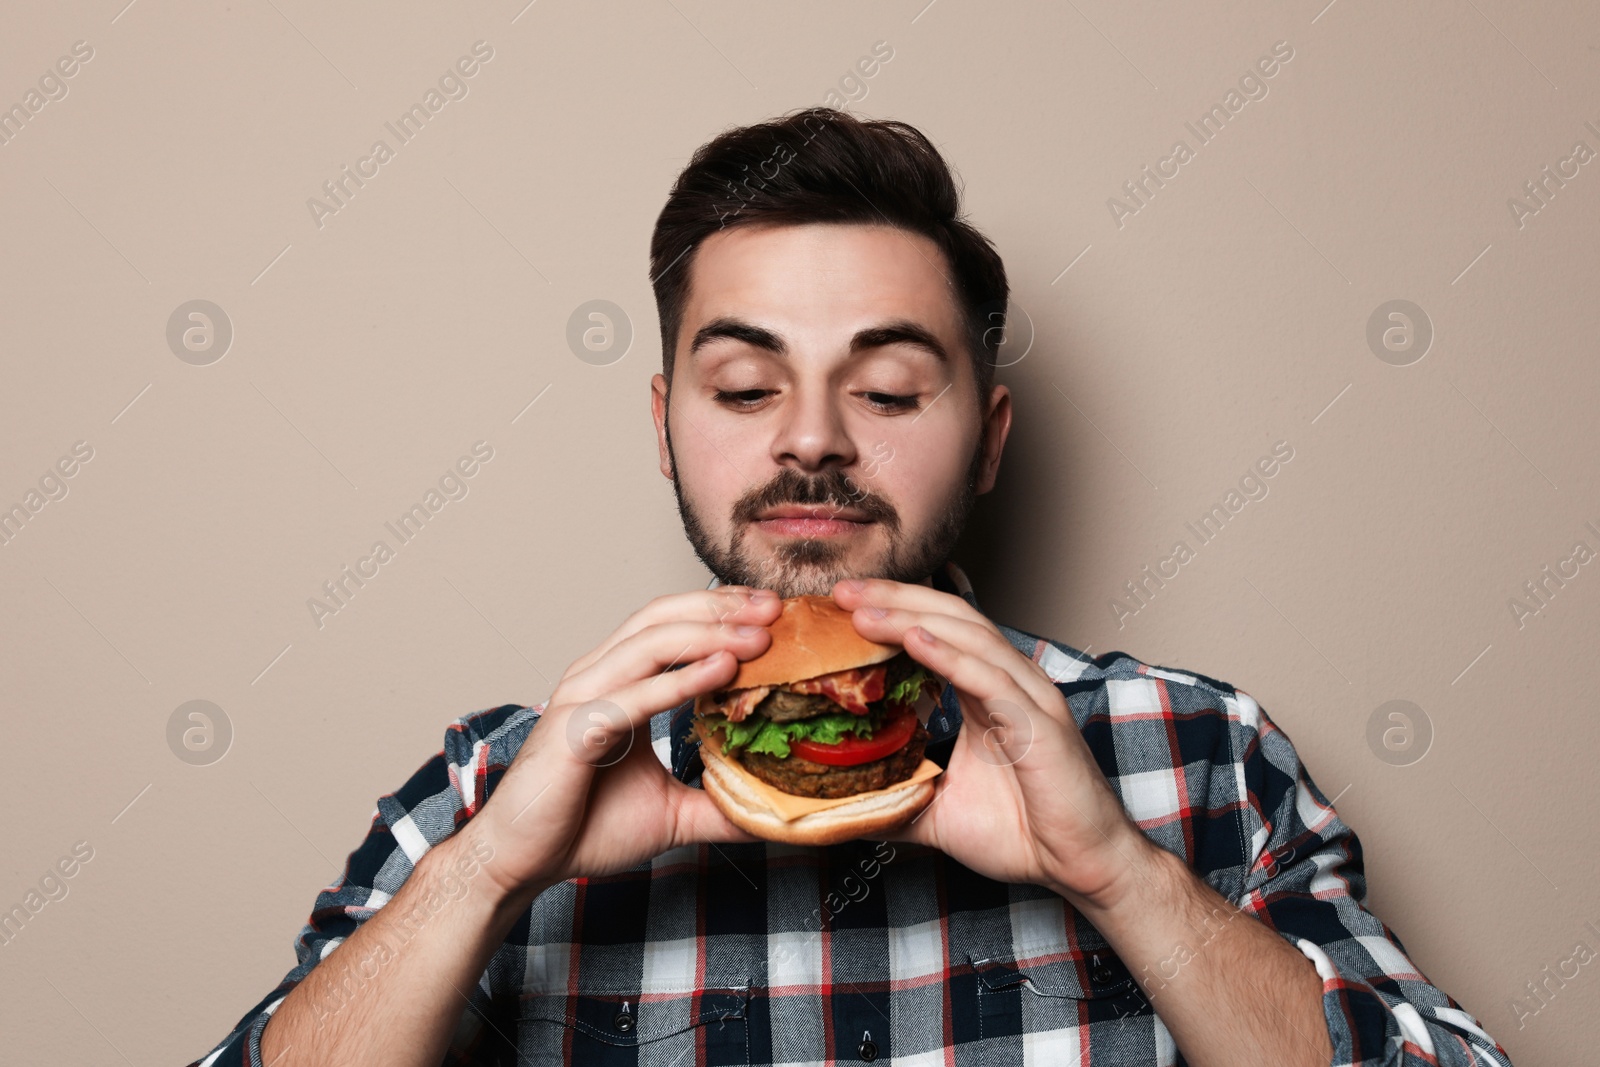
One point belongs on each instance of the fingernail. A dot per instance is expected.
(763, 594)
(745, 630)
(925, 636)
(855, 585)
(876, 613)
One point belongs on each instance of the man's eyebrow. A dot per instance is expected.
(738, 330)
(899, 331)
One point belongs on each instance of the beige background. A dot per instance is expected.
(1228, 314)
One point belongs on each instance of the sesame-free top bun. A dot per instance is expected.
(813, 636)
(738, 794)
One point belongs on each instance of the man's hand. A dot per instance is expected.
(586, 795)
(1022, 799)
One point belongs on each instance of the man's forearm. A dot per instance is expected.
(1229, 989)
(394, 990)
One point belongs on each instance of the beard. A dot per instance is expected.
(802, 566)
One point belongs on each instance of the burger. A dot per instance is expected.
(816, 740)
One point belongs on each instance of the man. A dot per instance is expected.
(1123, 864)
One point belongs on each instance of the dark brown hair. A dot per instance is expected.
(825, 165)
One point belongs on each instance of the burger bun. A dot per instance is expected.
(812, 636)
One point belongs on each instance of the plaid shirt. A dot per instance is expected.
(768, 953)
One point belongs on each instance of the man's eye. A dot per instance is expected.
(891, 401)
(740, 397)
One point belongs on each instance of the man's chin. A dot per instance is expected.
(812, 582)
(801, 567)
(790, 577)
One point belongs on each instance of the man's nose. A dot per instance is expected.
(811, 432)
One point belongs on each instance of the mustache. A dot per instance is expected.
(832, 488)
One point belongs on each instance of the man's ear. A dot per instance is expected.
(996, 426)
(658, 412)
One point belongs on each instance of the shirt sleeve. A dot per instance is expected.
(441, 795)
(1306, 880)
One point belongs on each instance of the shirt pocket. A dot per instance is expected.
(1057, 997)
(627, 1026)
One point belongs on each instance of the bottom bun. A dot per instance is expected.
(738, 795)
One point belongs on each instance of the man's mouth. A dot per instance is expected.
(811, 520)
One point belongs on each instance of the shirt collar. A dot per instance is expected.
(944, 721)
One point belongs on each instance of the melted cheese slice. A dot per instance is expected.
(789, 807)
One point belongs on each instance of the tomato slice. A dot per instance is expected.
(896, 730)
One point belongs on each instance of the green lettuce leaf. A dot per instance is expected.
(909, 688)
(760, 734)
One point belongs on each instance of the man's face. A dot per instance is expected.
(813, 432)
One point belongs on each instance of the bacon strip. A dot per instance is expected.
(744, 701)
(852, 690)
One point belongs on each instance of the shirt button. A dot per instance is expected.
(623, 1022)
(868, 1051)
(1100, 972)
